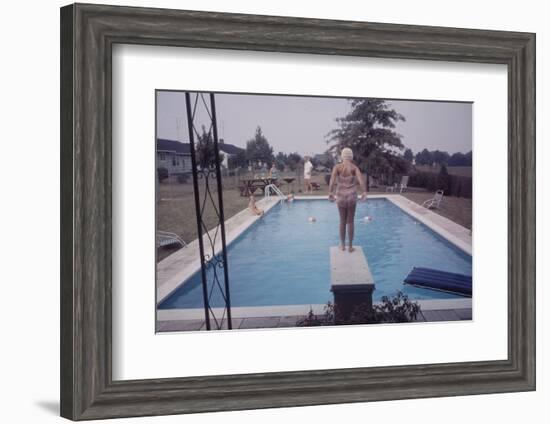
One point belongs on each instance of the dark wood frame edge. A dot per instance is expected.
(88, 33)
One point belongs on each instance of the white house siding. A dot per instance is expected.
(175, 163)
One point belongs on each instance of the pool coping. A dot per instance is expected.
(294, 310)
(175, 269)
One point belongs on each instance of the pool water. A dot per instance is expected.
(282, 259)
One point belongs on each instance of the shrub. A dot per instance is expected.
(312, 320)
(443, 180)
(453, 185)
(398, 308)
(162, 174)
(183, 178)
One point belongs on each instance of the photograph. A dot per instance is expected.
(279, 211)
(273, 211)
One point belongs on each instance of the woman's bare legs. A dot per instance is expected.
(343, 218)
(350, 224)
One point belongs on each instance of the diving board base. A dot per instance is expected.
(352, 283)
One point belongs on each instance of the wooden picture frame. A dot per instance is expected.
(88, 33)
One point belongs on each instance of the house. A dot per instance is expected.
(176, 156)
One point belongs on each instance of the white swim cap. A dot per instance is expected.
(347, 153)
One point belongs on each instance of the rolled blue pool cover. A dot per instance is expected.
(434, 279)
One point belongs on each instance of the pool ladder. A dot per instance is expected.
(276, 190)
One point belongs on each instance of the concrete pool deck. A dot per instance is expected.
(175, 269)
(169, 320)
(182, 264)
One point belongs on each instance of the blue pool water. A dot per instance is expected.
(284, 260)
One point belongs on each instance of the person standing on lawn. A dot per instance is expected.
(308, 167)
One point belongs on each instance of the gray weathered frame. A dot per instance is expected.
(88, 33)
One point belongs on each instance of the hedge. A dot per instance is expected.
(452, 185)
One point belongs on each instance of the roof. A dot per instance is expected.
(172, 146)
(184, 148)
(230, 148)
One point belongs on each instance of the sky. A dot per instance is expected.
(301, 124)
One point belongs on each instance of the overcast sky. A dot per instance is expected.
(300, 124)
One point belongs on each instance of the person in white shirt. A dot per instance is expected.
(308, 166)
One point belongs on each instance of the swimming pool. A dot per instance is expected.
(282, 259)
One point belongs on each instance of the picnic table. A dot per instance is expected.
(249, 185)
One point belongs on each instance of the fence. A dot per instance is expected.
(452, 185)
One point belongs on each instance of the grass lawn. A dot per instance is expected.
(176, 206)
(176, 211)
(457, 209)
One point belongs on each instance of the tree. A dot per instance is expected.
(408, 155)
(205, 150)
(325, 159)
(461, 159)
(237, 160)
(281, 161)
(258, 148)
(439, 157)
(468, 159)
(424, 157)
(443, 180)
(293, 160)
(368, 131)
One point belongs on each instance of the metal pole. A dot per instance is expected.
(220, 207)
(197, 207)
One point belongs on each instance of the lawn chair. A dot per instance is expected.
(434, 202)
(166, 239)
(403, 184)
(391, 189)
(373, 182)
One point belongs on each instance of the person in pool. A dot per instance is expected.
(347, 176)
(253, 208)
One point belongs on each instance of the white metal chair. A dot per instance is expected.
(392, 188)
(403, 184)
(165, 238)
(434, 202)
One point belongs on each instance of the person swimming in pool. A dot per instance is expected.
(253, 208)
(347, 176)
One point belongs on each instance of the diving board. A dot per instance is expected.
(352, 283)
(434, 279)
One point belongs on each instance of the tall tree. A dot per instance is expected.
(424, 157)
(461, 159)
(439, 157)
(258, 148)
(293, 160)
(205, 150)
(443, 180)
(408, 155)
(368, 129)
(468, 158)
(237, 160)
(280, 161)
